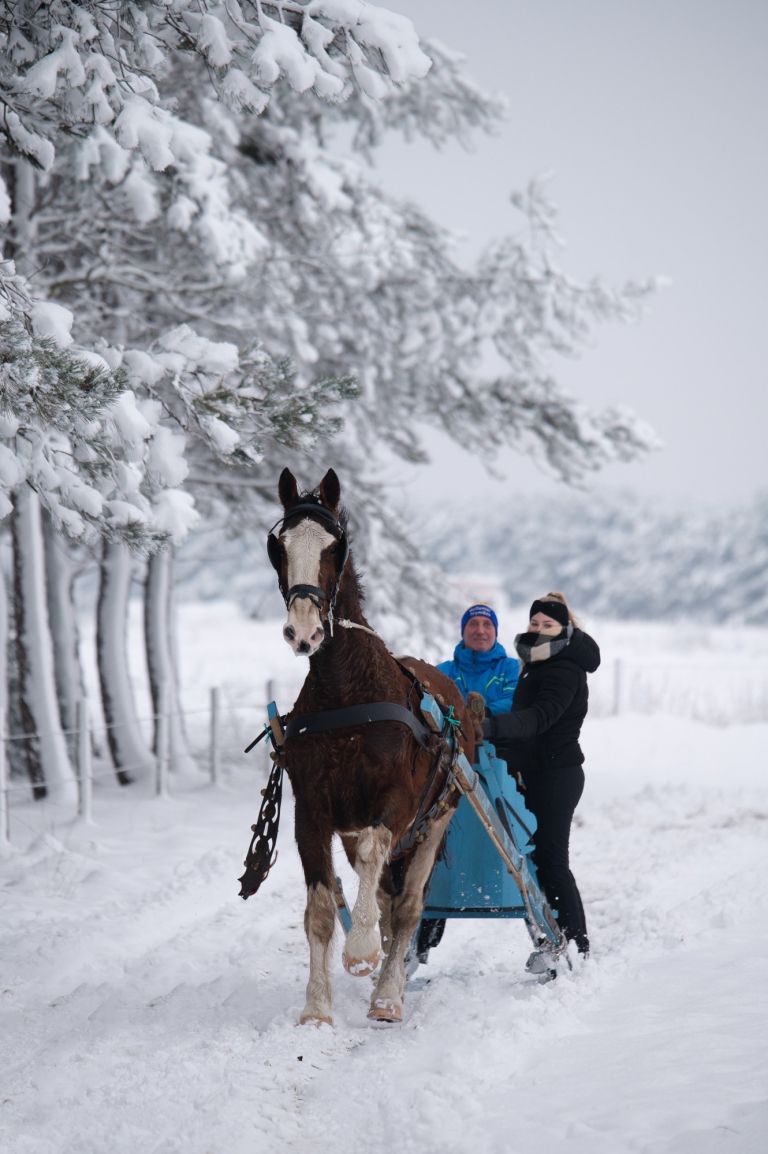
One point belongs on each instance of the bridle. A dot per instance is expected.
(313, 593)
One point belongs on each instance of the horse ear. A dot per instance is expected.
(287, 489)
(330, 490)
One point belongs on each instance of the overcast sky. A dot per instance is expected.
(652, 117)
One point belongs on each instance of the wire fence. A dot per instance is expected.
(215, 738)
(716, 691)
(217, 733)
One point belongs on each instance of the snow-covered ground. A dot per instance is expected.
(147, 1010)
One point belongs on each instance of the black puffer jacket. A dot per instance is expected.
(548, 708)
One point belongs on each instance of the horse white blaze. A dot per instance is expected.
(303, 546)
(362, 949)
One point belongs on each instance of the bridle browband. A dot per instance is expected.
(312, 508)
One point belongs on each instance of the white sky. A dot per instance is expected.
(652, 119)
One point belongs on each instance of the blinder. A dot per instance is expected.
(342, 553)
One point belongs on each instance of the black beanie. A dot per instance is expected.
(554, 609)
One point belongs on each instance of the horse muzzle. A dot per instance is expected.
(304, 630)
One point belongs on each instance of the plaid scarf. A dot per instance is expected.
(540, 647)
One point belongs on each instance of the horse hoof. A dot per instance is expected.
(361, 967)
(385, 1010)
(315, 1020)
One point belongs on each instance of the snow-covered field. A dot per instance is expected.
(147, 1010)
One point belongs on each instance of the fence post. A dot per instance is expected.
(84, 763)
(163, 741)
(5, 826)
(617, 686)
(214, 746)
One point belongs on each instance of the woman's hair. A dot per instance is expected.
(554, 596)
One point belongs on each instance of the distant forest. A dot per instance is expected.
(622, 557)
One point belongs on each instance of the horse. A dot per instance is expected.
(378, 778)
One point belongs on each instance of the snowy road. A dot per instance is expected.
(145, 1008)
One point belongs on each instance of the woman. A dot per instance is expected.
(540, 740)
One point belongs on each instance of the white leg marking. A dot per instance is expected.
(319, 923)
(387, 1000)
(362, 949)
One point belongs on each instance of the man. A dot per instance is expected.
(480, 665)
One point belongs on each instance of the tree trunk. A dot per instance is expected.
(129, 750)
(70, 684)
(5, 763)
(45, 753)
(162, 666)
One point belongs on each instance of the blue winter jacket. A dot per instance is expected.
(493, 674)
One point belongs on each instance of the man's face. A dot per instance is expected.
(479, 634)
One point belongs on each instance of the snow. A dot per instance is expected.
(213, 40)
(166, 456)
(174, 513)
(221, 435)
(53, 321)
(207, 356)
(128, 418)
(147, 1008)
(143, 126)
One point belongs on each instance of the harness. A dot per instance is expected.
(438, 729)
(325, 719)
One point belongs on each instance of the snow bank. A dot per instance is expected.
(146, 1007)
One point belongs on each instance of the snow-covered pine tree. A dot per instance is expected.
(429, 318)
(351, 278)
(58, 447)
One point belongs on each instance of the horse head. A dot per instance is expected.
(309, 554)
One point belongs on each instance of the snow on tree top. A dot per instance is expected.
(52, 320)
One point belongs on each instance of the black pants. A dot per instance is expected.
(552, 796)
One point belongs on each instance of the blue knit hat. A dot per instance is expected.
(479, 611)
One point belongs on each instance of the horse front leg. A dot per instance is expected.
(362, 949)
(319, 924)
(407, 906)
(319, 917)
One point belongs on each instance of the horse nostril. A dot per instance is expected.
(289, 633)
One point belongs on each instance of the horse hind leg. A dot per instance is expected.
(319, 924)
(362, 949)
(407, 906)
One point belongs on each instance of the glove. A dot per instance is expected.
(476, 705)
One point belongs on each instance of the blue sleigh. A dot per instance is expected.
(470, 879)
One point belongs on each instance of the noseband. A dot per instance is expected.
(312, 592)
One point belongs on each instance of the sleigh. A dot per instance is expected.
(485, 868)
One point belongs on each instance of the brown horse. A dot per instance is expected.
(372, 782)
